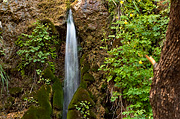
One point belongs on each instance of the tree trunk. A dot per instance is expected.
(165, 89)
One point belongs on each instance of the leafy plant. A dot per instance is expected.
(3, 76)
(1, 44)
(30, 100)
(36, 50)
(141, 31)
(84, 109)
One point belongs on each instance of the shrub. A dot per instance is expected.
(141, 31)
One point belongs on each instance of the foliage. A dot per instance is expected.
(36, 50)
(3, 76)
(141, 30)
(84, 109)
(45, 81)
(1, 48)
(42, 79)
(30, 100)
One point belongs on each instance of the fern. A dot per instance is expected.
(4, 78)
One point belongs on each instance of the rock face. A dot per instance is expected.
(18, 15)
(91, 21)
(14, 17)
(90, 17)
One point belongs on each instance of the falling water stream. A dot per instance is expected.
(72, 79)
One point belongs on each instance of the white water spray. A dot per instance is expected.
(72, 79)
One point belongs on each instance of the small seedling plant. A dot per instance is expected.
(84, 108)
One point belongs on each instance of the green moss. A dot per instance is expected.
(83, 59)
(88, 77)
(85, 68)
(57, 95)
(44, 110)
(73, 114)
(15, 91)
(80, 95)
(92, 115)
(31, 113)
(83, 84)
(43, 113)
(43, 96)
(37, 113)
(48, 74)
(50, 24)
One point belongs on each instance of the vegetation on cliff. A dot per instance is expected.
(3, 76)
(137, 29)
(140, 26)
(36, 50)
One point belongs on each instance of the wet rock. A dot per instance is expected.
(90, 17)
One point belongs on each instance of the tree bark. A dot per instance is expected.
(165, 88)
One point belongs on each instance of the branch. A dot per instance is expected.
(153, 62)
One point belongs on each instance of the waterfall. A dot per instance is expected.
(72, 79)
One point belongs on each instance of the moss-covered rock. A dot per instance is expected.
(80, 95)
(85, 68)
(48, 74)
(73, 114)
(44, 110)
(83, 59)
(57, 100)
(31, 113)
(83, 84)
(92, 115)
(43, 96)
(57, 95)
(15, 91)
(88, 77)
(37, 113)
